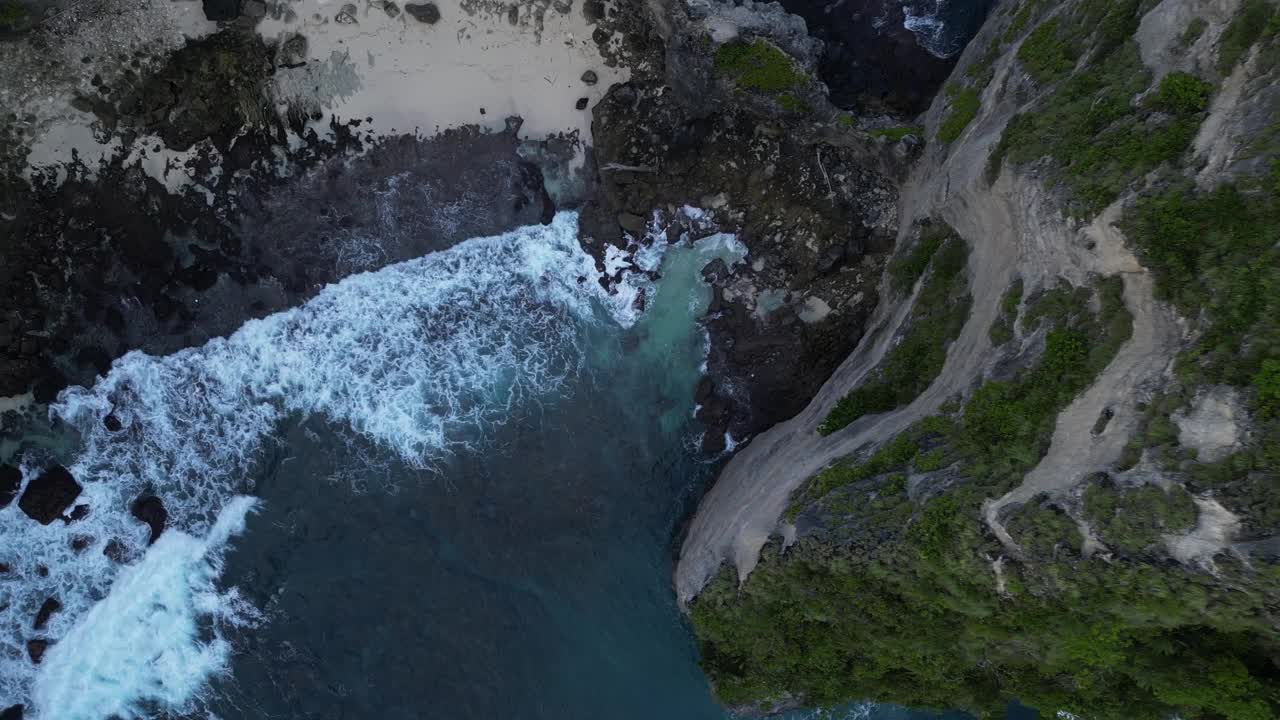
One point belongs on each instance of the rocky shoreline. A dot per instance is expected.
(180, 191)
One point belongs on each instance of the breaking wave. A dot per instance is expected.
(422, 357)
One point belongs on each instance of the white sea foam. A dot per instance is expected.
(931, 30)
(420, 357)
(142, 644)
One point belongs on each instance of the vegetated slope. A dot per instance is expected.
(1090, 522)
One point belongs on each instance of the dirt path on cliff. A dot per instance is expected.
(1015, 230)
(1075, 451)
(742, 510)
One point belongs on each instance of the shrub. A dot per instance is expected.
(965, 104)
(1046, 54)
(907, 370)
(758, 65)
(1267, 385)
(1246, 28)
(1183, 94)
(895, 134)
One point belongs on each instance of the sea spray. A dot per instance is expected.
(420, 357)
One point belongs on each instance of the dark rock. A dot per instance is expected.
(513, 14)
(36, 648)
(590, 78)
(391, 9)
(716, 272)
(150, 510)
(221, 9)
(115, 551)
(593, 10)
(423, 12)
(77, 514)
(4, 568)
(80, 542)
(293, 51)
(632, 223)
(112, 423)
(706, 386)
(347, 15)
(12, 713)
(581, 104)
(830, 259)
(49, 495)
(10, 481)
(48, 386)
(50, 606)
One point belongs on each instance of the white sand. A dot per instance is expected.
(410, 76)
(406, 75)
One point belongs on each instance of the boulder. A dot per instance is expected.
(10, 481)
(632, 223)
(150, 510)
(36, 648)
(13, 712)
(216, 10)
(112, 423)
(424, 12)
(50, 606)
(49, 495)
(581, 104)
(590, 78)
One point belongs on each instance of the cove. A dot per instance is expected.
(447, 488)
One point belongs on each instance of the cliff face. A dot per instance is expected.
(1068, 497)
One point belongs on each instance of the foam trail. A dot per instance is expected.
(931, 30)
(141, 644)
(421, 357)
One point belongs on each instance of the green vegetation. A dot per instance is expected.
(899, 604)
(1267, 385)
(1043, 530)
(758, 65)
(1019, 23)
(936, 320)
(894, 134)
(792, 104)
(1099, 140)
(11, 13)
(1046, 53)
(1002, 329)
(1194, 30)
(918, 621)
(1246, 28)
(903, 597)
(1130, 520)
(909, 266)
(1216, 253)
(964, 108)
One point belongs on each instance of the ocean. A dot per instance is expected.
(445, 489)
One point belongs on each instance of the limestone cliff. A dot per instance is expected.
(1069, 497)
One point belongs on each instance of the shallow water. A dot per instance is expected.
(444, 489)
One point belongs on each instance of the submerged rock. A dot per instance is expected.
(49, 495)
(424, 12)
(12, 713)
(150, 510)
(46, 611)
(36, 649)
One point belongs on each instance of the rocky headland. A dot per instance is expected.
(997, 384)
